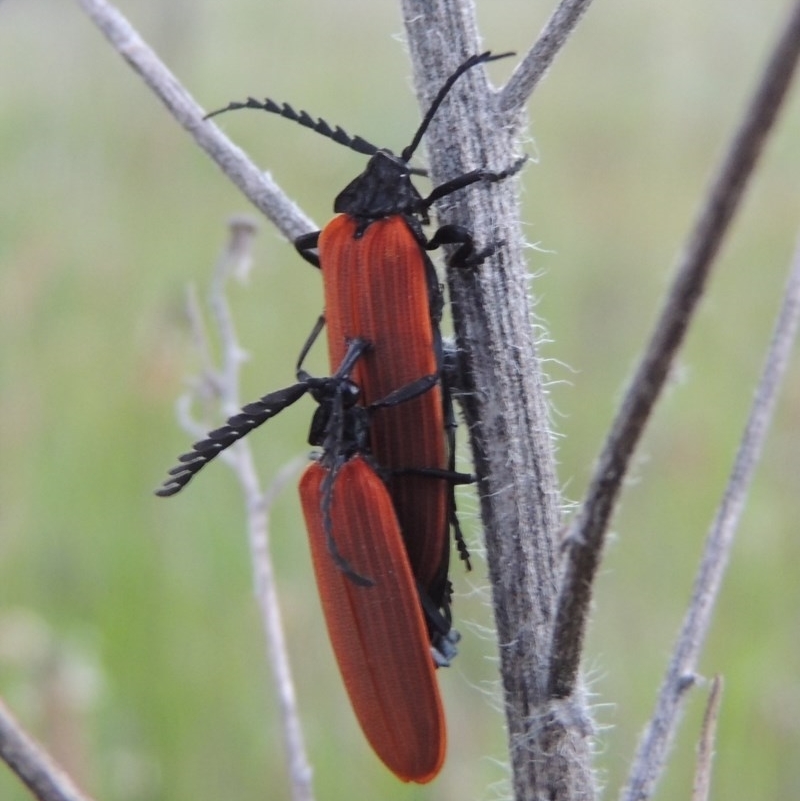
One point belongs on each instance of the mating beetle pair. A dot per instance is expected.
(379, 500)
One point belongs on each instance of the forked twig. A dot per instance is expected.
(587, 532)
(654, 746)
(225, 383)
(233, 262)
(32, 764)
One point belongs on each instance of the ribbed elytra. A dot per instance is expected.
(377, 288)
(378, 633)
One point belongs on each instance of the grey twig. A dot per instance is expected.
(587, 531)
(225, 382)
(213, 388)
(705, 747)
(538, 59)
(258, 187)
(504, 404)
(32, 764)
(234, 261)
(654, 746)
(205, 389)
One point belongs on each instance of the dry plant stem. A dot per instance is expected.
(206, 389)
(654, 746)
(705, 748)
(197, 326)
(32, 764)
(257, 503)
(587, 532)
(233, 261)
(504, 404)
(538, 59)
(257, 186)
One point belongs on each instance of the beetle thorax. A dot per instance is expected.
(382, 190)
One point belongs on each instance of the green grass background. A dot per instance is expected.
(128, 635)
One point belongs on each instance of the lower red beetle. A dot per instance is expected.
(387, 635)
(378, 632)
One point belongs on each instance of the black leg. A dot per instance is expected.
(469, 178)
(306, 245)
(312, 338)
(465, 254)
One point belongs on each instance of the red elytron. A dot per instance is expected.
(377, 288)
(378, 632)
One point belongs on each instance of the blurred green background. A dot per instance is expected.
(128, 635)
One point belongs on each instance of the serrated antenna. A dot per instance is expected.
(338, 135)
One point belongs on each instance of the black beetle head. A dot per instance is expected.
(382, 190)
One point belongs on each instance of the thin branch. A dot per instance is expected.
(258, 187)
(201, 341)
(587, 532)
(538, 59)
(234, 261)
(654, 746)
(258, 505)
(205, 388)
(705, 748)
(32, 764)
(225, 382)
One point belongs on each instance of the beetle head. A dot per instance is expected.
(383, 189)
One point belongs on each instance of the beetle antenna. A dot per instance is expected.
(238, 426)
(305, 119)
(472, 61)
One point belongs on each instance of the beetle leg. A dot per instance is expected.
(306, 245)
(481, 175)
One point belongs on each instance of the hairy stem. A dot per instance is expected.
(504, 405)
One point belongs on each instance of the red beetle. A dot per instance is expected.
(387, 636)
(381, 286)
